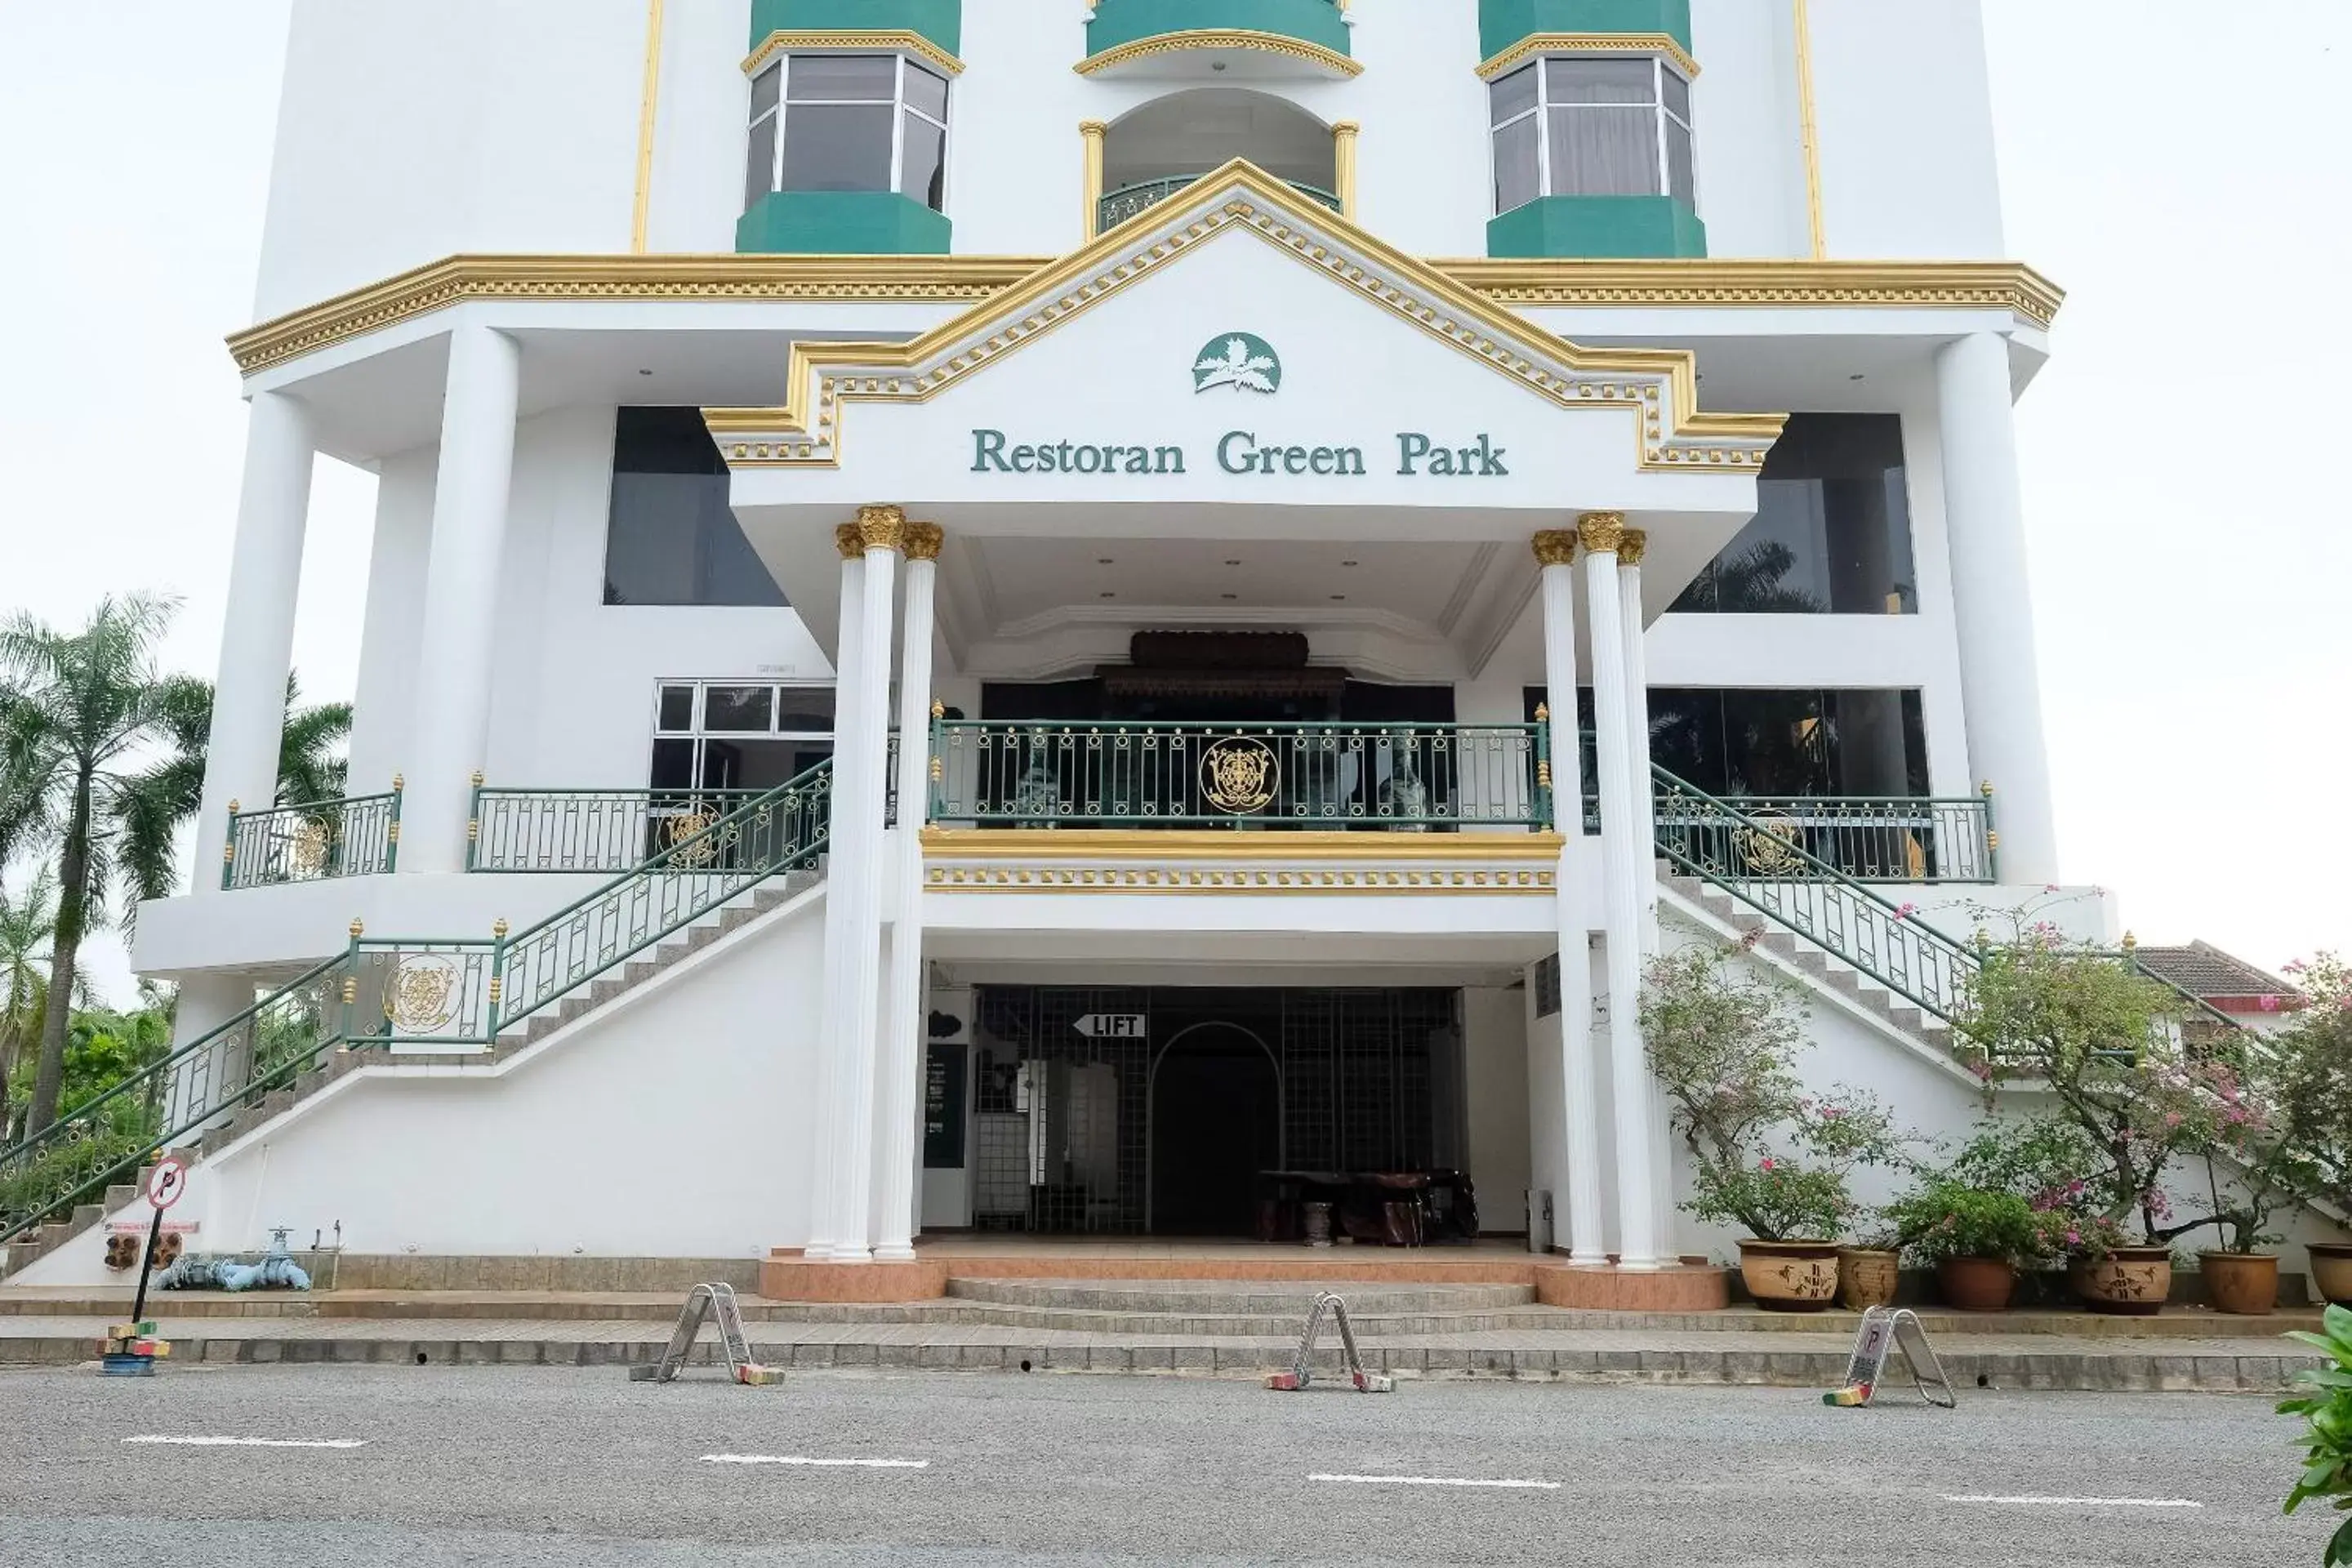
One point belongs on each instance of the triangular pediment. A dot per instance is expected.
(1415, 322)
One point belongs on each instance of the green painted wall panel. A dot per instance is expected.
(1597, 226)
(942, 21)
(841, 223)
(1502, 23)
(1120, 22)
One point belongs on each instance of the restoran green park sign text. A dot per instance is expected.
(1238, 452)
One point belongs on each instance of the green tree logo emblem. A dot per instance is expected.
(1240, 360)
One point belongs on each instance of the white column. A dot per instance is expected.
(205, 1003)
(826, 1135)
(449, 738)
(1637, 730)
(1621, 854)
(257, 637)
(1582, 1204)
(1644, 797)
(883, 529)
(1984, 519)
(897, 1103)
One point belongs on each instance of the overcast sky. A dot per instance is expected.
(2188, 538)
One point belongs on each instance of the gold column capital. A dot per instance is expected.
(1601, 533)
(1094, 130)
(1630, 547)
(923, 540)
(1555, 547)
(849, 541)
(882, 527)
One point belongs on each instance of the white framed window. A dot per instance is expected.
(848, 122)
(1581, 125)
(737, 734)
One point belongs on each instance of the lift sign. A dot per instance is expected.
(1113, 1026)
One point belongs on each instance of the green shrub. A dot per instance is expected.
(2327, 1410)
(1951, 1219)
(52, 1178)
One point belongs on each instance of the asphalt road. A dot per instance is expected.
(444, 1465)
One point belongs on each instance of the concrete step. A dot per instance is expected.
(1196, 1298)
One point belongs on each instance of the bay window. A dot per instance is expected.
(1572, 125)
(848, 122)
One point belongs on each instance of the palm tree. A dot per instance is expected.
(76, 710)
(27, 921)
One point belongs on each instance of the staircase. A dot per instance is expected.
(1754, 876)
(487, 1001)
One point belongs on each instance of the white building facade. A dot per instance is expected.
(1018, 614)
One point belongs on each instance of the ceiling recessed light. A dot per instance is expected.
(1229, 596)
(1336, 596)
(1233, 563)
(1346, 563)
(1103, 561)
(645, 373)
(1111, 596)
(1856, 377)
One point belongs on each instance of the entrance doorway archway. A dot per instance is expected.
(1215, 1120)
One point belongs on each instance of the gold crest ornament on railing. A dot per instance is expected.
(682, 830)
(306, 848)
(422, 998)
(1239, 774)
(1773, 847)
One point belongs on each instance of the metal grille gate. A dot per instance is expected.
(1367, 1079)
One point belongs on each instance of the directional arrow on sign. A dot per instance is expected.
(1112, 1025)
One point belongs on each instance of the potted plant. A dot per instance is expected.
(2305, 1078)
(1769, 1159)
(2105, 1044)
(1870, 1272)
(1972, 1236)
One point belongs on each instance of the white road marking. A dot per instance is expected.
(252, 1442)
(816, 1464)
(2084, 1502)
(1434, 1482)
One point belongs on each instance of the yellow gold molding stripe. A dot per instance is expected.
(1930, 285)
(1808, 130)
(1535, 43)
(1537, 884)
(648, 106)
(1177, 844)
(968, 279)
(957, 279)
(896, 41)
(1219, 39)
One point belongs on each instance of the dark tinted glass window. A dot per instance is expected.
(1736, 743)
(671, 538)
(837, 147)
(926, 156)
(1832, 528)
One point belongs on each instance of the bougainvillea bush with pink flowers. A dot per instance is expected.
(1769, 1157)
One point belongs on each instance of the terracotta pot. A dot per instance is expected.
(2331, 1271)
(1976, 1284)
(1789, 1276)
(2245, 1283)
(1866, 1277)
(2129, 1281)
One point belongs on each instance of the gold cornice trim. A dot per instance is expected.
(959, 279)
(1535, 43)
(649, 109)
(1220, 844)
(1809, 130)
(1658, 387)
(1219, 39)
(893, 40)
(970, 280)
(1294, 882)
(1714, 282)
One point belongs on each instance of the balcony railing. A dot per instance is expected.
(1869, 839)
(1412, 778)
(609, 830)
(1117, 206)
(358, 837)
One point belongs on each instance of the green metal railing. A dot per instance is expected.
(1869, 839)
(380, 993)
(1719, 844)
(1116, 206)
(358, 837)
(1403, 777)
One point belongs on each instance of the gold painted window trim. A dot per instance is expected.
(891, 41)
(1658, 387)
(1221, 38)
(1535, 43)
